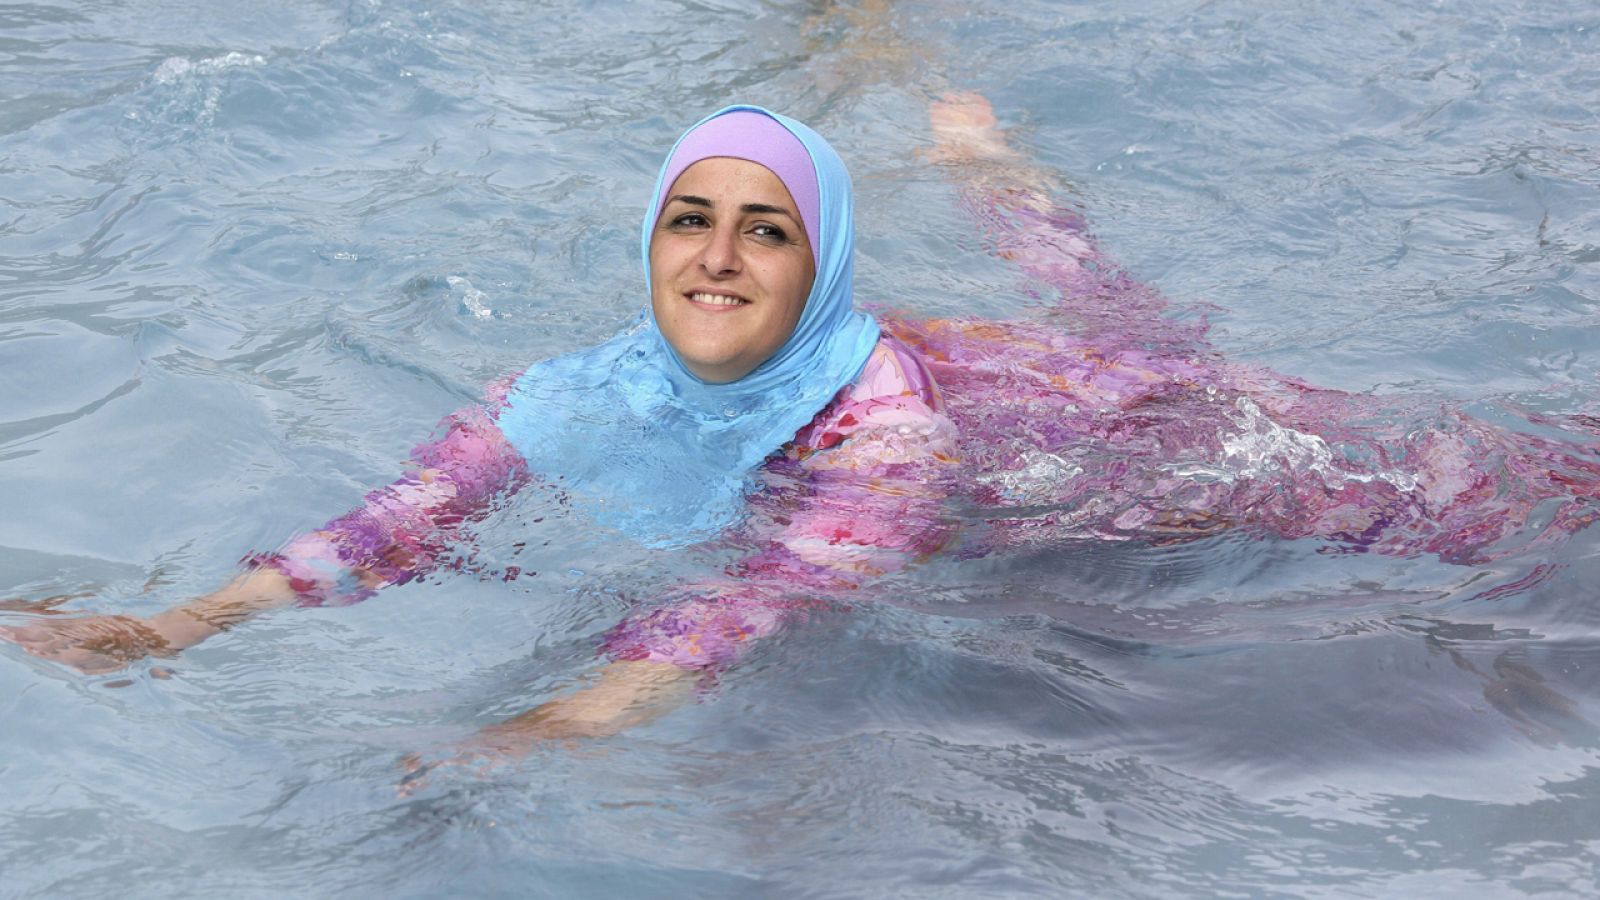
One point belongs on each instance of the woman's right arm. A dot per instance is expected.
(398, 533)
(95, 644)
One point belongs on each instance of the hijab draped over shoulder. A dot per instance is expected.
(649, 448)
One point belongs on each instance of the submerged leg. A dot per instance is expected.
(1111, 419)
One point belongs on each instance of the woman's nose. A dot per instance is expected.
(720, 256)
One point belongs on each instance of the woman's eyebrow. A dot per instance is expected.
(767, 208)
(763, 208)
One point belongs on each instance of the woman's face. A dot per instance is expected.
(730, 267)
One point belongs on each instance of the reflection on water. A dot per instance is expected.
(239, 275)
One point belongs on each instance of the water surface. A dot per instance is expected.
(249, 256)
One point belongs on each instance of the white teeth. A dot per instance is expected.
(715, 299)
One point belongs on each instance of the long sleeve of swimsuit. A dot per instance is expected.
(859, 493)
(401, 530)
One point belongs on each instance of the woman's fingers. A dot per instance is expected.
(45, 607)
(416, 771)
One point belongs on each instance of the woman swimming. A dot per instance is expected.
(750, 348)
(752, 405)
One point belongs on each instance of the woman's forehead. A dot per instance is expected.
(725, 179)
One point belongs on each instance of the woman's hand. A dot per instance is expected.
(968, 139)
(964, 127)
(90, 644)
(95, 644)
(627, 694)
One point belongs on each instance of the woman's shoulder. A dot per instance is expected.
(895, 370)
(895, 390)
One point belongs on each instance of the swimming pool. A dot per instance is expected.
(250, 257)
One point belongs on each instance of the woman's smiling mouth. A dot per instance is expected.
(725, 300)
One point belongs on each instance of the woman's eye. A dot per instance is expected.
(690, 220)
(771, 232)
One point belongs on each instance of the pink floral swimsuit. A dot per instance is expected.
(1099, 417)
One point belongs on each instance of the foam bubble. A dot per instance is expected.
(174, 68)
(1262, 448)
(471, 298)
(1038, 480)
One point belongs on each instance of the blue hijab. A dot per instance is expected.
(632, 435)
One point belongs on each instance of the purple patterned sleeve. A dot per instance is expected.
(401, 530)
(710, 630)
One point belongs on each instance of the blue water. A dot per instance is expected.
(249, 254)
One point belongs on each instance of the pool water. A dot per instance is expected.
(249, 255)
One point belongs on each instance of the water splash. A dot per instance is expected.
(174, 68)
(1262, 448)
(471, 298)
(185, 93)
(1037, 481)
